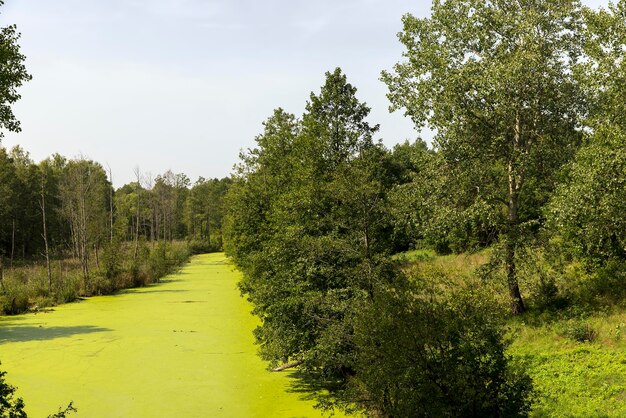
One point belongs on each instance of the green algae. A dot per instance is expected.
(182, 348)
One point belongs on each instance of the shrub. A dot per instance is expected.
(112, 259)
(14, 298)
(157, 262)
(426, 349)
(10, 407)
(580, 331)
(69, 287)
(100, 285)
(200, 247)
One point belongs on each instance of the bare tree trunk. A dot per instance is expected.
(136, 249)
(208, 227)
(45, 235)
(111, 206)
(83, 231)
(12, 245)
(287, 366)
(517, 304)
(95, 248)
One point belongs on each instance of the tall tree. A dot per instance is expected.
(84, 193)
(588, 209)
(12, 75)
(8, 191)
(306, 224)
(494, 80)
(204, 211)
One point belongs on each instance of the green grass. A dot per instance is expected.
(575, 355)
(575, 378)
(181, 348)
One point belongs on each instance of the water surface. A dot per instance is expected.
(182, 348)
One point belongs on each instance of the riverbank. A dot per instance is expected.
(182, 348)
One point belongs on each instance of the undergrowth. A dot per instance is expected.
(26, 287)
(572, 340)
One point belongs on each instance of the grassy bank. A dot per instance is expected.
(575, 352)
(578, 365)
(26, 286)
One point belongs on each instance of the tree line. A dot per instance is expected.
(526, 102)
(67, 209)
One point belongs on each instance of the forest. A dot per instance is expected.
(66, 233)
(478, 274)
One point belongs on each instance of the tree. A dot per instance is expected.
(26, 228)
(428, 348)
(432, 208)
(204, 211)
(307, 225)
(495, 81)
(84, 192)
(13, 75)
(588, 208)
(8, 191)
(263, 174)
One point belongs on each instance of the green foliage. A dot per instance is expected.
(496, 81)
(13, 74)
(204, 211)
(26, 288)
(587, 210)
(10, 407)
(428, 348)
(68, 288)
(64, 412)
(307, 224)
(111, 260)
(572, 378)
(14, 295)
(580, 331)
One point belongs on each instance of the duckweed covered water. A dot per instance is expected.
(182, 348)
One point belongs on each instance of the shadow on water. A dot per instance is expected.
(310, 388)
(22, 333)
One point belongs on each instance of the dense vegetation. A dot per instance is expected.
(65, 232)
(525, 101)
(527, 169)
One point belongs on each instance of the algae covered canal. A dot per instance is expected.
(182, 348)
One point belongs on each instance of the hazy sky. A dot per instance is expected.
(185, 84)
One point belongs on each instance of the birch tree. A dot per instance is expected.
(494, 80)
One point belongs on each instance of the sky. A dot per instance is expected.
(185, 85)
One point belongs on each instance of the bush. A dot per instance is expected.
(157, 262)
(580, 331)
(112, 258)
(14, 298)
(201, 247)
(68, 288)
(100, 285)
(10, 407)
(426, 349)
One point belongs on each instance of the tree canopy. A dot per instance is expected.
(495, 81)
(13, 75)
